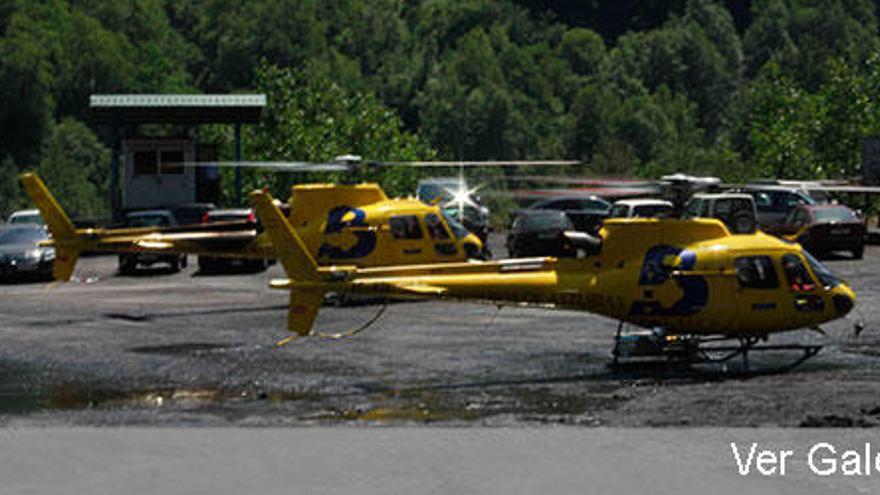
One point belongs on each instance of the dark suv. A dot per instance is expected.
(775, 202)
(585, 212)
(128, 262)
(540, 233)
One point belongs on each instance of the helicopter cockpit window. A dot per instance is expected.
(457, 229)
(756, 272)
(435, 227)
(405, 227)
(829, 280)
(799, 279)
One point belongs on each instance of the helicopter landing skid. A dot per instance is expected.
(747, 345)
(651, 345)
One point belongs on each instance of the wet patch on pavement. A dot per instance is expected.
(185, 348)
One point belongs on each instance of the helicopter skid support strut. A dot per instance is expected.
(696, 350)
(749, 345)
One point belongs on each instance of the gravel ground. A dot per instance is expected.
(184, 349)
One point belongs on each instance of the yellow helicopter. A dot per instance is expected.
(691, 278)
(353, 224)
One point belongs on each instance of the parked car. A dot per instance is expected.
(540, 233)
(191, 213)
(129, 262)
(238, 216)
(821, 229)
(585, 212)
(774, 202)
(21, 254)
(645, 208)
(26, 217)
(736, 210)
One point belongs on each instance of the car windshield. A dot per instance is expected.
(28, 218)
(21, 236)
(458, 229)
(833, 214)
(545, 222)
(820, 197)
(430, 191)
(619, 211)
(651, 210)
(228, 217)
(829, 280)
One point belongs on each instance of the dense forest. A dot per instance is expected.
(734, 88)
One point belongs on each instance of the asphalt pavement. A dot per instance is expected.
(165, 348)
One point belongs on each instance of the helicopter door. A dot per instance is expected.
(444, 244)
(407, 235)
(801, 285)
(758, 293)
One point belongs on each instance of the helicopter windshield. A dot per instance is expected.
(458, 229)
(829, 280)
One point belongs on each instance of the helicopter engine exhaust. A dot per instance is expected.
(582, 240)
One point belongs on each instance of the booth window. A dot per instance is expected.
(171, 162)
(145, 162)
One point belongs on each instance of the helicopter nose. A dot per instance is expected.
(844, 300)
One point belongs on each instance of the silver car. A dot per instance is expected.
(21, 254)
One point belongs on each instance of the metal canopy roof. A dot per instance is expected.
(177, 109)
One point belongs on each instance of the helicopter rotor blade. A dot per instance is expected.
(480, 163)
(277, 165)
(587, 181)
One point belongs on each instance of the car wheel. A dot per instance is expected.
(205, 265)
(743, 224)
(258, 265)
(175, 265)
(858, 252)
(127, 265)
(183, 261)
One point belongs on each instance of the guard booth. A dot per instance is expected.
(152, 171)
(154, 175)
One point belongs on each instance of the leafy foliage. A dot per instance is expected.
(737, 88)
(73, 166)
(313, 118)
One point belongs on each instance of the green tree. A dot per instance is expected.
(784, 121)
(159, 57)
(697, 55)
(311, 117)
(27, 79)
(10, 190)
(235, 36)
(92, 60)
(803, 36)
(768, 38)
(74, 166)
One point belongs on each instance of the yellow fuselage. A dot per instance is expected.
(686, 276)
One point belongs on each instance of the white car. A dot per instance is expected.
(26, 217)
(736, 210)
(645, 208)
